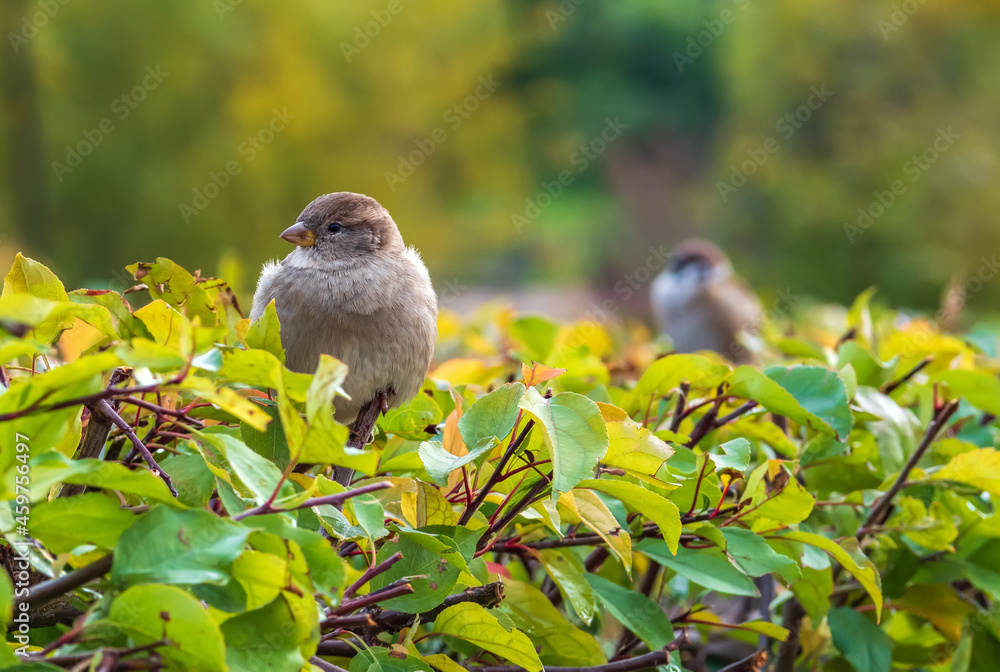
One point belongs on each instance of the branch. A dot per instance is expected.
(512, 513)
(877, 514)
(726, 419)
(333, 500)
(371, 573)
(387, 593)
(752, 663)
(706, 424)
(495, 476)
(891, 387)
(98, 428)
(49, 590)
(361, 430)
(316, 661)
(651, 659)
(104, 407)
(675, 422)
(383, 620)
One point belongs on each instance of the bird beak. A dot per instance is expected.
(298, 234)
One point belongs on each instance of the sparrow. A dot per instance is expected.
(352, 289)
(701, 305)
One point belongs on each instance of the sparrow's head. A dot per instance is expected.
(344, 227)
(699, 262)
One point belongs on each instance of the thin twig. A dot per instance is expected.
(726, 419)
(877, 514)
(890, 387)
(44, 592)
(679, 415)
(333, 500)
(318, 662)
(387, 593)
(496, 475)
(106, 408)
(371, 573)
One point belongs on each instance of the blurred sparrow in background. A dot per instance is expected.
(701, 305)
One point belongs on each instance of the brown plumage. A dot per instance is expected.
(352, 289)
(701, 305)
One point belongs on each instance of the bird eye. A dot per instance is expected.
(334, 228)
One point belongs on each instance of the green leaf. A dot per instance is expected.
(151, 613)
(411, 420)
(262, 576)
(380, 659)
(593, 512)
(813, 591)
(658, 509)
(933, 529)
(575, 434)
(441, 575)
(820, 391)
(278, 636)
(982, 390)
(265, 333)
(169, 282)
(96, 519)
(707, 567)
(492, 415)
(736, 455)
(271, 443)
(51, 468)
(777, 495)
(27, 276)
(865, 572)
(635, 449)
(537, 334)
(560, 643)
(256, 473)
(862, 642)
(978, 468)
(569, 574)
(438, 462)
(751, 553)
(475, 624)
(6, 600)
(635, 611)
(325, 567)
(185, 547)
(809, 388)
(370, 516)
(667, 373)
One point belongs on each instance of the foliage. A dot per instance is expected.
(700, 97)
(604, 503)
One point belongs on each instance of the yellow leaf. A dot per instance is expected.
(594, 513)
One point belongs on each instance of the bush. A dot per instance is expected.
(168, 498)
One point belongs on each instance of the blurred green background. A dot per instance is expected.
(463, 117)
